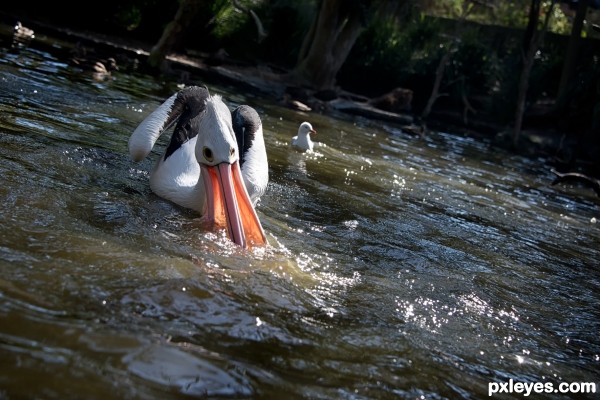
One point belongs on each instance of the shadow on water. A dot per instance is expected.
(396, 267)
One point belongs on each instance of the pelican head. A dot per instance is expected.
(228, 202)
(201, 166)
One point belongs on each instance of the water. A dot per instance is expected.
(397, 267)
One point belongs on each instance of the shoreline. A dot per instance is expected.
(271, 81)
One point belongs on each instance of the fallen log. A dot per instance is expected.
(566, 177)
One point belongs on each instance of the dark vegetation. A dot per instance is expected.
(520, 72)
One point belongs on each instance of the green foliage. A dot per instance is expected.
(227, 20)
(395, 52)
(143, 19)
(129, 17)
(235, 30)
(513, 14)
(286, 22)
(396, 49)
(547, 69)
(470, 66)
(485, 63)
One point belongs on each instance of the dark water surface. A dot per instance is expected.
(397, 267)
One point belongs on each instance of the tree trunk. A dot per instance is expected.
(441, 68)
(334, 32)
(173, 32)
(439, 74)
(572, 51)
(532, 23)
(535, 42)
(522, 92)
(308, 40)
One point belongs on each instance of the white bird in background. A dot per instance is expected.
(216, 161)
(302, 140)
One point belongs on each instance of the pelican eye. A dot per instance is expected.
(208, 154)
(232, 151)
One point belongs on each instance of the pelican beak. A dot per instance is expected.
(229, 206)
(314, 132)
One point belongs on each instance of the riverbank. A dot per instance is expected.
(273, 82)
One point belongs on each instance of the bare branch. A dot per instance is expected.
(262, 34)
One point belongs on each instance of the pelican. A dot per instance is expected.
(302, 140)
(215, 164)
